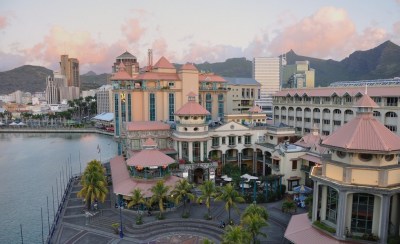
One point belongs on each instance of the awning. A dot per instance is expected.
(311, 158)
(300, 231)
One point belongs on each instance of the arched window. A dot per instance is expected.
(283, 108)
(298, 109)
(377, 114)
(208, 96)
(348, 112)
(276, 108)
(307, 110)
(220, 97)
(326, 111)
(391, 115)
(337, 111)
(362, 213)
(316, 110)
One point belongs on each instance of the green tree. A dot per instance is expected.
(236, 235)
(182, 192)
(253, 219)
(137, 198)
(208, 190)
(94, 183)
(230, 196)
(160, 193)
(289, 206)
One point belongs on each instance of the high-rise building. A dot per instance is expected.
(242, 94)
(53, 85)
(104, 99)
(267, 71)
(298, 75)
(70, 68)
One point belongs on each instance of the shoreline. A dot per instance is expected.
(55, 130)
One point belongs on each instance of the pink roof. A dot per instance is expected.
(191, 94)
(157, 76)
(211, 77)
(163, 63)
(255, 109)
(312, 140)
(364, 133)
(192, 108)
(366, 102)
(149, 143)
(300, 231)
(121, 74)
(189, 66)
(123, 184)
(311, 158)
(146, 125)
(149, 157)
(373, 91)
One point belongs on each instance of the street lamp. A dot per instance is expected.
(121, 233)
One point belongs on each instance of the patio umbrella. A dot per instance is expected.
(1, 123)
(245, 185)
(302, 189)
(13, 123)
(224, 176)
(227, 179)
(249, 177)
(21, 123)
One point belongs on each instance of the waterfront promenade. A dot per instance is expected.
(76, 226)
(24, 129)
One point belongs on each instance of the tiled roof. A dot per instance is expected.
(255, 110)
(121, 74)
(189, 66)
(123, 184)
(373, 91)
(126, 55)
(363, 133)
(157, 76)
(211, 77)
(192, 108)
(164, 64)
(241, 81)
(150, 157)
(311, 158)
(149, 143)
(146, 125)
(312, 140)
(365, 102)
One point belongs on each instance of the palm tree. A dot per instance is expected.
(137, 198)
(182, 192)
(236, 234)
(230, 196)
(94, 183)
(253, 219)
(160, 192)
(208, 190)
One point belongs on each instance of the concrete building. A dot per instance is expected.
(53, 85)
(70, 69)
(242, 94)
(267, 71)
(298, 75)
(104, 99)
(69, 93)
(331, 107)
(356, 189)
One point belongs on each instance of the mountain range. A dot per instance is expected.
(380, 62)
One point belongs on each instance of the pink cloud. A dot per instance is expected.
(132, 30)
(322, 34)
(3, 22)
(199, 53)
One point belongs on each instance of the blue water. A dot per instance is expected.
(29, 167)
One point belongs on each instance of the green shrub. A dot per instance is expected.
(324, 227)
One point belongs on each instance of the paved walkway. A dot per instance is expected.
(75, 227)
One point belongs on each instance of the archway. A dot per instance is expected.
(198, 176)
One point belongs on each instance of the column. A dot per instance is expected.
(315, 202)
(179, 149)
(384, 220)
(395, 213)
(263, 173)
(341, 215)
(223, 159)
(190, 151)
(254, 163)
(202, 151)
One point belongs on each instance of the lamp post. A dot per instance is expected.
(121, 233)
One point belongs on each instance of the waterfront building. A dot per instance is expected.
(242, 93)
(298, 75)
(356, 188)
(53, 84)
(267, 71)
(331, 107)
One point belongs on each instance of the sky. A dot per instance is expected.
(96, 32)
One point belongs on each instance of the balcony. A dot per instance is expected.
(305, 168)
(247, 157)
(275, 167)
(231, 158)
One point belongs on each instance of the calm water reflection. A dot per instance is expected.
(29, 166)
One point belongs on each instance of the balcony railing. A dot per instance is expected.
(305, 168)
(231, 158)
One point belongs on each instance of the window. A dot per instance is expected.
(376, 99)
(291, 118)
(152, 107)
(337, 122)
(247, 140)
(299, 119)
(341, 154)
(325, 133)
(331, 205)
(392, 128)
(136, 144)
(223, 140)
(243, 92)
(294, 165)
(389, 157)
(116, 114)
(196, 151)
(337, 111)
(221, 105)
(365, 157)
(239, 140)
(129, 107)
(391, 115)
(348, 112)
(327, 111)
(327, 122)
(307, 119)
(215, 141)
(171, 106)
(276, 116)
(231, 141)
(377, 114)
(283, 116)
(392, 101)
(162, 143)
(316, 121)
(171, 84)
(185, 150)
(251, 93)
(362, 213)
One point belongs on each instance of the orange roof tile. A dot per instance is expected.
(121, 74)
(189, 66)
(146, 125)
(312, 140)
(157, 76)
(363, 133)
(192, 108)
(150, 157)
(211, 77)
(164, 64)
